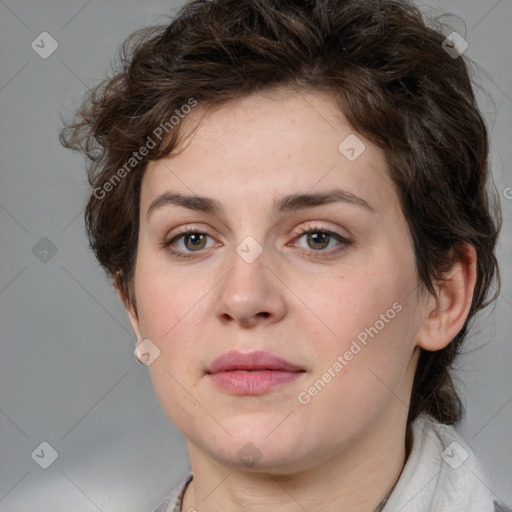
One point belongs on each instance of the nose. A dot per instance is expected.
(250, 294)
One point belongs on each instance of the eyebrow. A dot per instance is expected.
(289, 203)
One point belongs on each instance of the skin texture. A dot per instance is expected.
(345, 448)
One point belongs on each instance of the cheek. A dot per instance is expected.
(362, 371)
(168, 312)
(166, 302)
(370, 340)
(365, 306)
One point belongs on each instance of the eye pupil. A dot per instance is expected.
(323, 237)
(196, 237)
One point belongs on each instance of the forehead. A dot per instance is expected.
(267, 145)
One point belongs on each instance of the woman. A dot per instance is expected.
(290, 199)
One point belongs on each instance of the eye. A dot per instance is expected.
(318, 239)
(193, 241)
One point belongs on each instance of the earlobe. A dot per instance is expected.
(447, 312)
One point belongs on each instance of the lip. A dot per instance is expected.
(251, 373)
(234, 360)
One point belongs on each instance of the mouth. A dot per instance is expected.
(252, 361)
(251, 374)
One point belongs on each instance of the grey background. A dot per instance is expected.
(67, 371)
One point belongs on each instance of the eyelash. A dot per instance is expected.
(344, 243)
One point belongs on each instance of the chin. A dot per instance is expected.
(260, 452)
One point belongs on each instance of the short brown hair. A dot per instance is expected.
(393, 80)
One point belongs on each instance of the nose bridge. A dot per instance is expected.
(248, 264)
(249, 290)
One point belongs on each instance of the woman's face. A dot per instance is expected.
(339, 305)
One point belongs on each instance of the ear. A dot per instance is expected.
(448, 310)
(130, 309)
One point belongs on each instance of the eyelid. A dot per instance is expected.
(316, 227)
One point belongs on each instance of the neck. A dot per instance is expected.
(358, 478)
